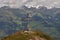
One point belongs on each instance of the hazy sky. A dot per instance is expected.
(29, 3)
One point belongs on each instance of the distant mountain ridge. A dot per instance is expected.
(46, 20)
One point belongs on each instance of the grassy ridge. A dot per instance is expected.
(28, 35)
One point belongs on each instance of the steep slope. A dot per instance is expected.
(9, 22)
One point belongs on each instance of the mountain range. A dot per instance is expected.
(43, 19)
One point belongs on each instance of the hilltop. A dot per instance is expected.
(28, 35)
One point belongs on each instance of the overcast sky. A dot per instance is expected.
(29, 3)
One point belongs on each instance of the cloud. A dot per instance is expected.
(29, 3)
(47, 3)
(12, 3)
